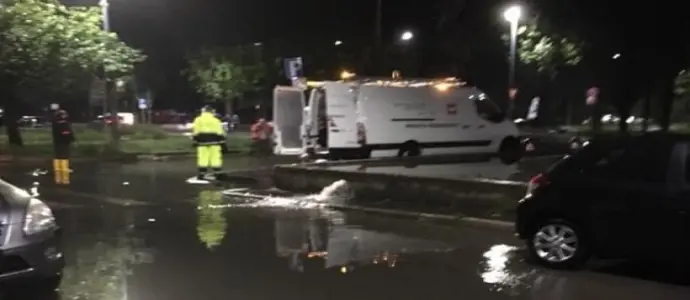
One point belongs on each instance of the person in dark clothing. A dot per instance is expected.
(63, 137)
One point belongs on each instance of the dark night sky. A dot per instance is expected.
(166, 29)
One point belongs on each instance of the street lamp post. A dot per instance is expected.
(108, 105)
(512, 15)
(378, 45)
(106, 27)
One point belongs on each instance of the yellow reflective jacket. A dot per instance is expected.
(208, 130)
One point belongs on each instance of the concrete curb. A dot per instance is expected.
(472, 197)
(505, 225)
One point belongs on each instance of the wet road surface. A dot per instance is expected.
(157, 237)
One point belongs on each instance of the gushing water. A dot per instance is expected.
(338, 192)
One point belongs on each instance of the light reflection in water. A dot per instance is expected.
(212, 225)
(326, 242)
(497, 271)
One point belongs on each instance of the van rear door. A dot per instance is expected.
(341, 110)
(288, 114)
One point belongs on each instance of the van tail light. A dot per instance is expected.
(361, 133)
(536, 182)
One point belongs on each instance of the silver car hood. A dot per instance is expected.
(12, 203)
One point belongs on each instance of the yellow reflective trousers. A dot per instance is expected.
(209, 156)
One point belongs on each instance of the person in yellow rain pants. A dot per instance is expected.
(209, 135)
(63, 137)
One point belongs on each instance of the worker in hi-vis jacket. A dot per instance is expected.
(63, 137)
(209, 135)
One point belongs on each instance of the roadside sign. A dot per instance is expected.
(533, 109)
(143, 103)
(592, 96)
(97, 92)
(293, 67)
(512, 92)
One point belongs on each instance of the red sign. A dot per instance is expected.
(452, 108)
(593, 92)
(512, 92)
(592, 96)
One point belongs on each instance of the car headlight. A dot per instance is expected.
(39, 217)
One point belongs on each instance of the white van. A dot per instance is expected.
(382, 117)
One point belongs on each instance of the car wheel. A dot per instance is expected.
(558, 244)
(510, 151)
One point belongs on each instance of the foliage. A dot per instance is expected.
(47, 44)
(226, 74)
(548, 53)
(681, 101)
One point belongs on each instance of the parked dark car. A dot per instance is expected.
(29, 247)
(624, 198)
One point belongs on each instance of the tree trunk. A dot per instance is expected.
(624, 113)
(113, 109)
(14, 136)
(646, 109)
(667, 95)
(228, 106)
(11, 115)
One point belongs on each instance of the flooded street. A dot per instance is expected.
(138, 231)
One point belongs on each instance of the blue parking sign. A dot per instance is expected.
(293, 67)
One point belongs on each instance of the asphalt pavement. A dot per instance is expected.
(138, 231)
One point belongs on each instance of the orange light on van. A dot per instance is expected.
(442, 87)
(346, 75)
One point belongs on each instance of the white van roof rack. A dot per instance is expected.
(410, 82)
(403, 82)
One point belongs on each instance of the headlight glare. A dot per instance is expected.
(39, 217)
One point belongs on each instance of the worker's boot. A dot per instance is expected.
(201, 175)
(57, 171)
(64, 163)
(57, 166)
(218, 174)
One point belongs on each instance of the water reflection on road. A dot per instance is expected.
(193, 242)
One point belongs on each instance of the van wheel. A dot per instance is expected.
(558, 244)
(510, 151)
(335, 154)
(365, 153)
(410, 149)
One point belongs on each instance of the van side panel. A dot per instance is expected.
(440, 121)
(341, 110)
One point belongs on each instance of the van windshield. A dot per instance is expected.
(487, 109)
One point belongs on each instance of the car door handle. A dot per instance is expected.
(466, 126)
(481, 126)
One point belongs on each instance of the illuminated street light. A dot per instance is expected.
(406, 36)
(512, 15)
(338, 43)
(616, 56)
